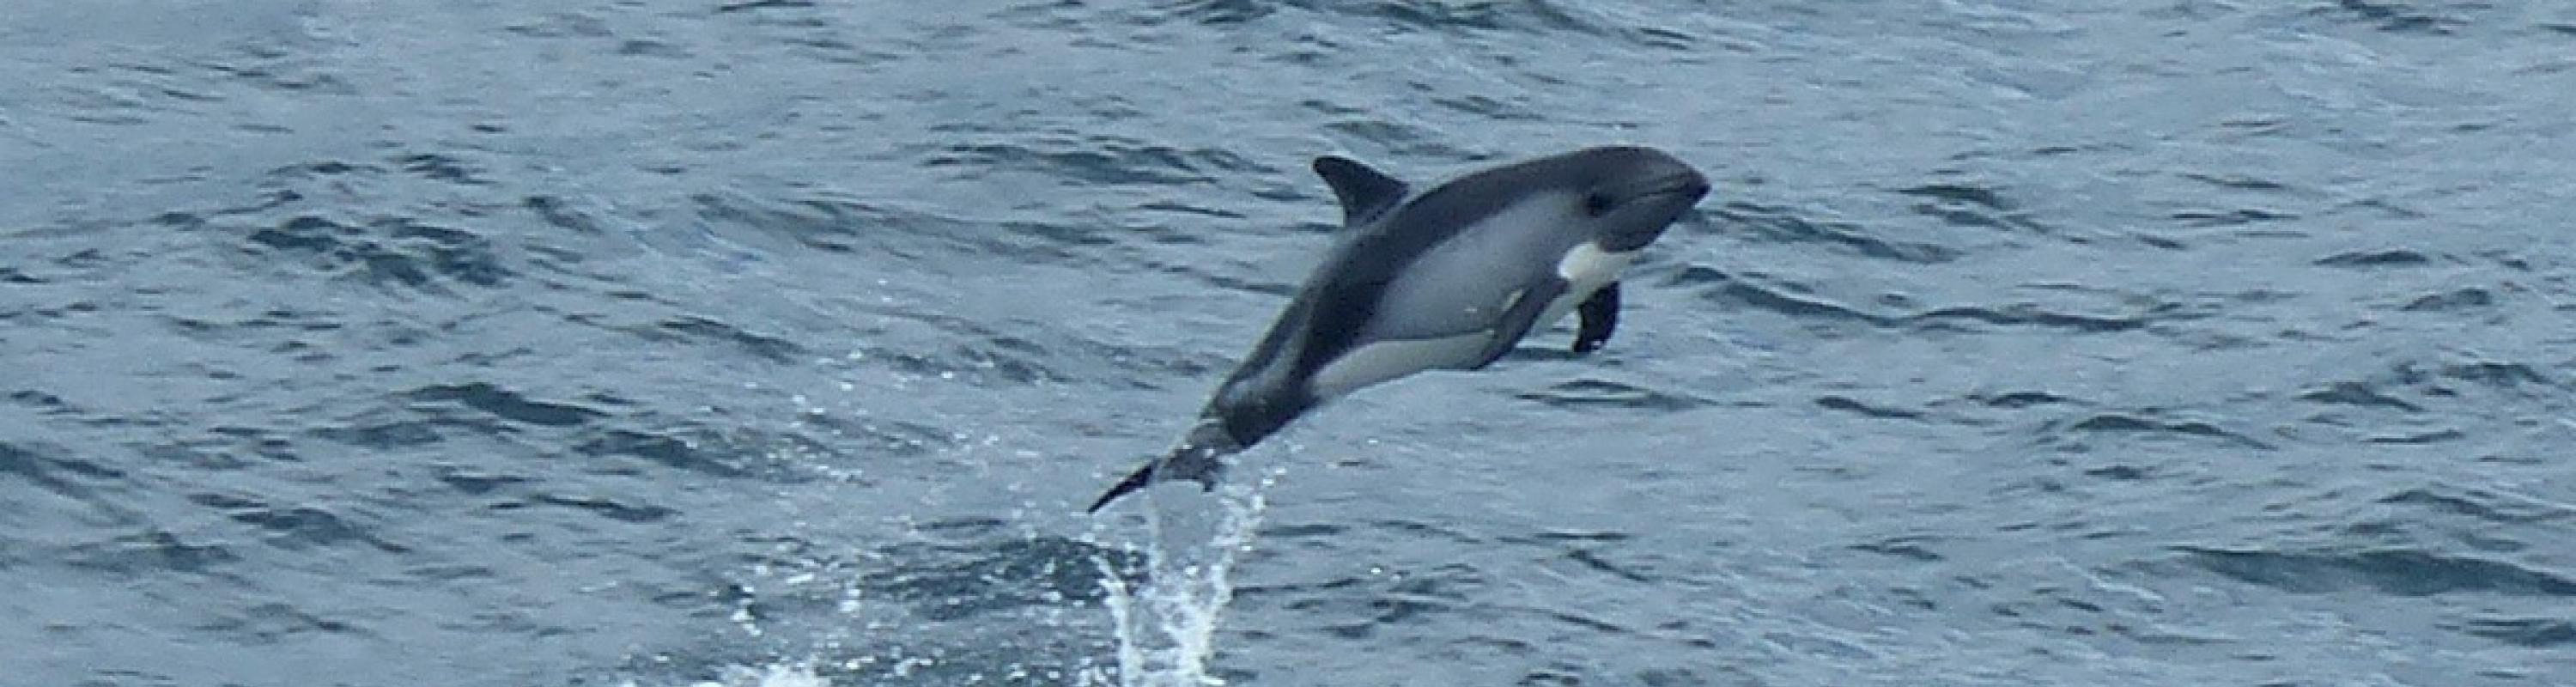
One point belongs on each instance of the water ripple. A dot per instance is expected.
(974, 571)
(505, 404)
(2403, 17)
(2397, 572)
(1972, 206)
(1580, 393)
(148, 552)
(297, 527)
(2364, 259)
(1792, 300)
(2533, 632)
(624, 343)
(2144, 424)
(1784, 225)
(54, 469)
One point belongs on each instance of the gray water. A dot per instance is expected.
(656, 342)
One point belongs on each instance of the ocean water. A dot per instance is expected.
(780, 342)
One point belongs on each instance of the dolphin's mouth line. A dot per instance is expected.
(1678, 184)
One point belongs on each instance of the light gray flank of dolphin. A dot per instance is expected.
(1449, 278)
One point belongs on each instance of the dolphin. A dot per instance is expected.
(1449, 278)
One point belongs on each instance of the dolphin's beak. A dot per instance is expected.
(1650, 203)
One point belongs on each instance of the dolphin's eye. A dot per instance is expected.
(1597, 202)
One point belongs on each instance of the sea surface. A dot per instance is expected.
(680, 342)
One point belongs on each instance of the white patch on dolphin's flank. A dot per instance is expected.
(1585, 269)
(1588, 267)
(1379, 361)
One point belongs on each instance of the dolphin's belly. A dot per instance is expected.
(1377, 361)
(1449, 294)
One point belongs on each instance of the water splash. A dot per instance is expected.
(777, 675)
(1167, 623)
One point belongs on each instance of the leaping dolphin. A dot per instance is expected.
(1449, 278)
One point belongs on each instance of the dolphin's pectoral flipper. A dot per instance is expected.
(1518, 319)
(1363, 191)
(1600, 315)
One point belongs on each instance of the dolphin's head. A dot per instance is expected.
(1628, 194)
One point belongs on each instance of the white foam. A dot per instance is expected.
(779, 675)
(1166, 626)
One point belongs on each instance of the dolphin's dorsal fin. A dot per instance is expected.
(1365, 192)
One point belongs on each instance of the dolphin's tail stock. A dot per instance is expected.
(1200, 458)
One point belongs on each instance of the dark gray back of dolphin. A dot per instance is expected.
(1450, 278)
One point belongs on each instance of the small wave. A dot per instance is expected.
(562, 213)
(2020, 399)
(1794, 301)
(2367, 259)
(148, 552)
(506, 404)
(664, 448)
(1588, 392)
(384, 434)
(2499, 375)
(1212, 12)
(1096, 159)
(1973, 206)
(2418, 388)
(702, 330)
(297, 527)
(750, 5)
(2204, 219)
(2451, 300)
(2533, 632)
(385, 252)
(2399, 572)
(2429, 19)
(2482, 504)
(476, 482)
(1785, 299)
(438, 167)
(1909, 547)
(2357, 393)
(931, 239)
(2431, 437)
(2144, 424)
(606, 507)
(1849, 405)
(54, 468)
(1784, 225)
(1413, 597)
(2025, 314)
(774, 675)
(976, 574)
(2236, 182)
(270, 623)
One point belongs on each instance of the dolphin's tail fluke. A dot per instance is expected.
(1200, 457)
(1143, 475)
